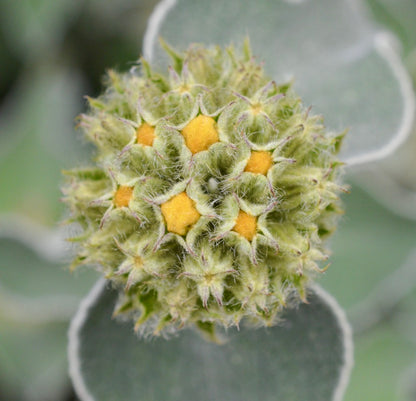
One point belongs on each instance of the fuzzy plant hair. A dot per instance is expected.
(211, 192)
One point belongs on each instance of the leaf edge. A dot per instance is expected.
(385, 46)
(74, 360)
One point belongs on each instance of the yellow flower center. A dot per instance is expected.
(200, 133)
(145, 134)
(246, 225)
(180, 213)
(256, 109)
(138, 261)
(259, 162)
(123, 196)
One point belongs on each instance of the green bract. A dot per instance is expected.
(211, 193)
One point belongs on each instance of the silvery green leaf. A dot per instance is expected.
(32, 361)
(35, 284)
(404, 317)
(127, 16)
(37, 141)
(342, 65)
(360, 266)
(398, 16)
(405, 324)
(392, 182)
(381, 356)
(35, 28)
(386, 299)
(307, 357)
(377, 292)
(407, 384)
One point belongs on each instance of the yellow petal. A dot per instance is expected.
(259, 162)
(200, 133)
(145, 134)
(123, 196)
(180, 213)
(246, 225)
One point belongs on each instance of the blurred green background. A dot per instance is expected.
(52, 53)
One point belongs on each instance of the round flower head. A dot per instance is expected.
(211, 191)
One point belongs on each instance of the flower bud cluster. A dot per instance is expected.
(211, 191)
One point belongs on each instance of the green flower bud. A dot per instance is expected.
(211, 192)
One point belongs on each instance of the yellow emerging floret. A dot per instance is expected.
(200, 133)
(180, 213)
(259, 162)
(145, 134)
(245, 225)
(123, 196)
